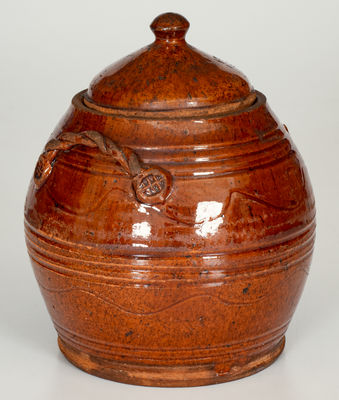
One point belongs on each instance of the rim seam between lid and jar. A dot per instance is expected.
(254, 98)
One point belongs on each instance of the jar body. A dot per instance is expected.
(197, 289)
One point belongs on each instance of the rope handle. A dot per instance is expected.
(151, 184)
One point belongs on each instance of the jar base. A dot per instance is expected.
(167, 376)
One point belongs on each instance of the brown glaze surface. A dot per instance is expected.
(168, 74)
(171, 248)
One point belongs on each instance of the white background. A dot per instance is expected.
(50, 50)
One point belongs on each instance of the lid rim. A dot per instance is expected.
(221, 108)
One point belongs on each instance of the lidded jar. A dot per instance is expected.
(170, 220)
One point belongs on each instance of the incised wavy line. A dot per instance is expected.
(119, 307)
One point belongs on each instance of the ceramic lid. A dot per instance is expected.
(169, 75)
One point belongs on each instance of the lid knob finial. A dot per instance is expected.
(170, 26)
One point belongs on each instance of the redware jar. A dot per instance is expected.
(170, 220)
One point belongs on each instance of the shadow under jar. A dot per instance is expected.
(170, 221)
